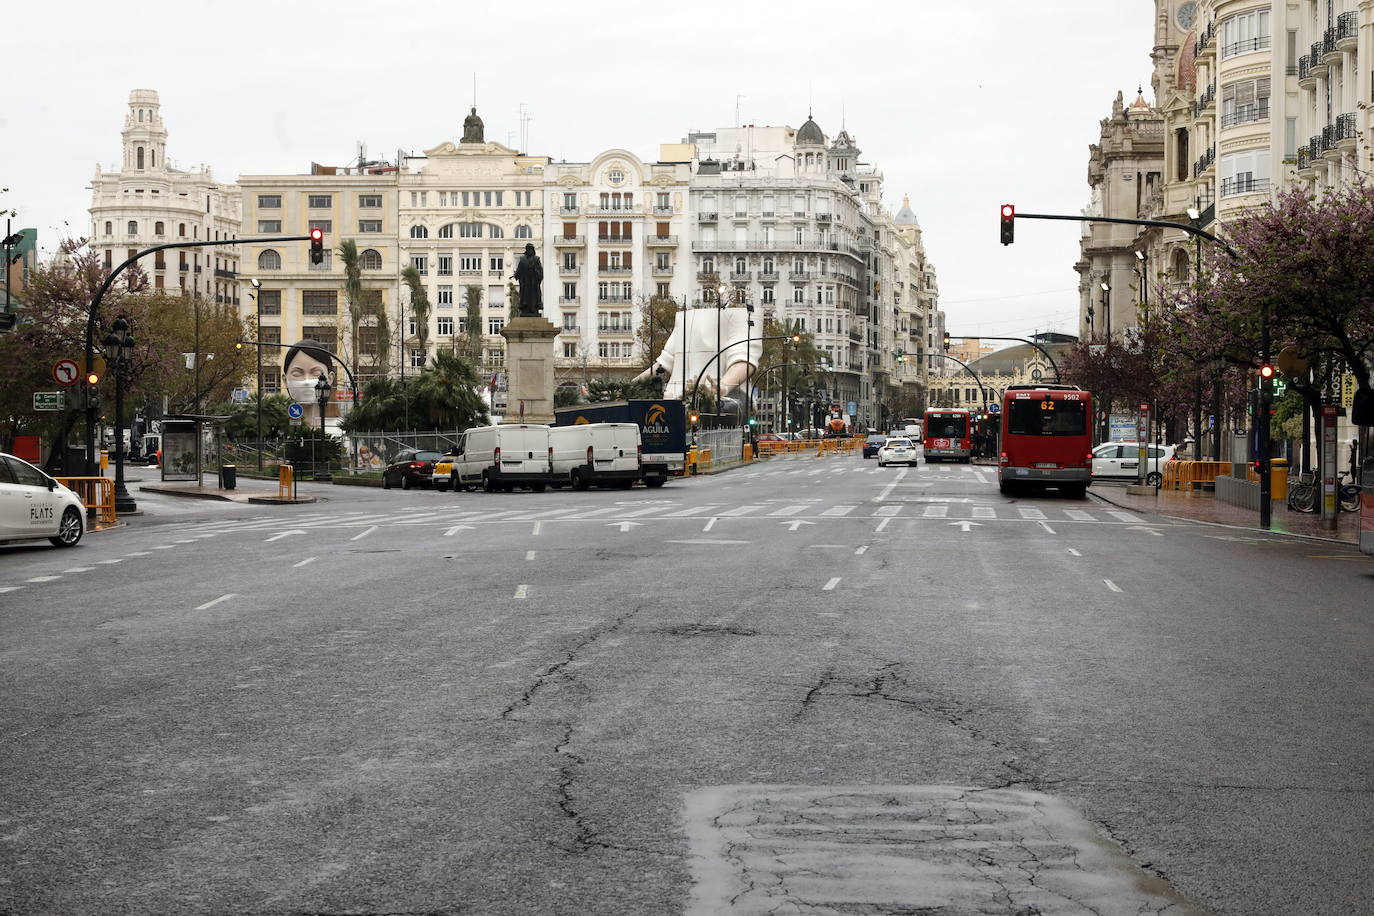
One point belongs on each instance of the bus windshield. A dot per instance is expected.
(1046, 418)
(946, 426)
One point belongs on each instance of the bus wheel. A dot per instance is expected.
(1008, 488)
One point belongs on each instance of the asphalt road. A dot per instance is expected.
(806, 686)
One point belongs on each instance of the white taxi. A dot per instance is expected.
(33, 505)
(897, 450)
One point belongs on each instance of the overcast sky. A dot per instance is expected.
(963, 106)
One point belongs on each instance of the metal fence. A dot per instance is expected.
(726, 445)
(374, 451)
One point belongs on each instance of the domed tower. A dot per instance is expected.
(810, 147)
(844, 154)
(145, 136)
(473, 129)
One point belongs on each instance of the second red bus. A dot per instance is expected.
(947, 434)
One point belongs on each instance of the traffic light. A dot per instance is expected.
(1008, 224)
(317, 246)
(93, 378)
(796, 338)
(1266, 371)
(753, 421)
(947, 341)
(694, 416)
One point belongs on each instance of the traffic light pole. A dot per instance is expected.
(93, 316)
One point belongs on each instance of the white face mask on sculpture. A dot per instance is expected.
(302, 391)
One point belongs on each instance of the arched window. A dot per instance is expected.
(269, 260)
(133, 227)
(740, 266)
(371, 259)
(523, 232)
(109, 227)
(708, 265)
(152, 158)
(1181, 267)
(181, 230)
(496, 232)
(446, 231)
(159, 228)
(768, 265)
(140, 114)
(419, 232)
(140, 157)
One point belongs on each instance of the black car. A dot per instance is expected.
(874, 442)
(410, 468)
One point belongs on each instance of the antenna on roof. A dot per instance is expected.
(738, 96)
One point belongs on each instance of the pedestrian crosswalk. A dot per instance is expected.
(667, 511)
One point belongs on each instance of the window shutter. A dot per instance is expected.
(663, 230)
(601, 259)
(625, 230)
(601, 230)
(569, 230)
(625, 259)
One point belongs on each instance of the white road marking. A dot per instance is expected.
(638, 512)
(883, 524)
(1033, 514)
(830, 586)
(740, 510)
(1047, 528)
(1074, 553)
(887, 491)
(966, 526)
(457, 528)
(595, 512)
(1145, 529)
(1124, 516)
(1079, 515)
(522, 592)
(529, 554)
(936, 511)
(796, 523)
(709, 525)
(984, 512)
(306, 562)
(861, 550)
(361, 535)
(837, 511)
(78, 569)
(536, 528)
(284, 534)
(887, 510)
(707, 541)
(210, 604)
(1112, 585)
(789, 510)
(43, 579)
(695, 510)
(109, 562)
(137, 553)
(623, 526)
(164, 547)
(10, 588)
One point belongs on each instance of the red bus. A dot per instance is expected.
(946, 433)
(1047, 439)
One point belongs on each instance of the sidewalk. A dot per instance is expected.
(1208, 509)
(261, 493)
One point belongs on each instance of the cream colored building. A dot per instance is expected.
(145, 201)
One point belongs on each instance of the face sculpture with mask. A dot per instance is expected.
(301, 369)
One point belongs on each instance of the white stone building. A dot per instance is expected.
(147, 201)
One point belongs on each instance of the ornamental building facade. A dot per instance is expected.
(147, 201)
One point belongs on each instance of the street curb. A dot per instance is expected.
(1197, 521)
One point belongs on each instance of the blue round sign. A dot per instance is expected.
(295, 411)
(994, 408)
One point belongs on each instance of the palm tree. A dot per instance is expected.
(353, 292)
(472, 304)
(447, 392)
(419, 306)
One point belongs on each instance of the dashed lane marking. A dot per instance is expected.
(1074, 553)
(709, 525)
(209, 604)
(522, 592)
(1047, 527)
(306, 562)
(529, 554)
(830, 586)
(361, 535)
(883, 524)
(1112, 585)
(43, 579)
(9, 588)
(861, 550)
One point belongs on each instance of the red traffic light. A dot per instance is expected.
(1008, 211)
(316, 245)
(1266, 371)
(317, 235)
(1008, 234)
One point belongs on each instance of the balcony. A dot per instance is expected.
(1304, 160)
(569, 211)
(856, 336)
(661, 241)
(1317, 63)
(220, 272)
(1329, 49)
(1204, 161)
(1245, 114)
(567, 269)
(1346, 134)
(611, 330)
(741, 276)
(662, 211)
(661, 271)
(1204, 41)
(1306, 78)
(569, 241)
(1205, 101)
(614, 297)
(465, 273)
(1246, 46)
(799, 275)
(1316, 145)
(707, 217)
(823, 217)
(614, 271)
(1244, 184)
(768, 276)
(1348, 31)
(615, 240)
(569, 300)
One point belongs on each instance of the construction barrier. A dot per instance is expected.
(286, 482)
(96, 494)
(1183, 475)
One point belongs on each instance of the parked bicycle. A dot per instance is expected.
(1349, 493)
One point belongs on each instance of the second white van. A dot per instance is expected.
(502, 458)
(595, 454)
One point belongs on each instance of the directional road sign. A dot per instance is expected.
(48, 400)
(65, 372)
(994, 408)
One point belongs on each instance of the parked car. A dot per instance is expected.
(410, 468)
(34, 505)
(874, 442)
(503, 458)
(769, 437)
(897, 451)
(1122, 460)
(594, 454)
(442, 474)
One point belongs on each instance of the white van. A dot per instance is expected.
(604, 454)
(502, 458)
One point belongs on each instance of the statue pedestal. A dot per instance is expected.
(529, 369)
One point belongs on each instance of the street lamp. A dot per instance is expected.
(322, 392)
(1107, 307)
(257, 285)
(119, 344)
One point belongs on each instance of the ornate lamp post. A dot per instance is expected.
(322, 391)
(119, 344)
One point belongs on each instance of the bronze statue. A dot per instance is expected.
(529, 273)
